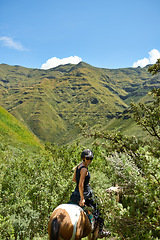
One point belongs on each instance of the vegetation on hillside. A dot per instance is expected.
(51, 102)
(14, 133)
(33, 183)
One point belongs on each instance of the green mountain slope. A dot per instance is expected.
(51, 102)
(13, 133)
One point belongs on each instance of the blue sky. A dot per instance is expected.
(108, 34)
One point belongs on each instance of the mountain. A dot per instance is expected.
(13, 133)
(51, 102)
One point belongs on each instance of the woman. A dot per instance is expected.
(83, 193)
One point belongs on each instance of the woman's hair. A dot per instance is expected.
(87, 153)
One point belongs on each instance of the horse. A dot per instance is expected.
(70, 222)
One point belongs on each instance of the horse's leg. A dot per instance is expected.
(90, 236)
(96, 233)
(93, 236)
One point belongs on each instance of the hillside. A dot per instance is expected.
(50, 102)
(13, 133)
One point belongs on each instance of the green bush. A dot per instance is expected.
(138, 217)
(32, 186)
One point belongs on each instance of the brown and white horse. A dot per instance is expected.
(70, 222)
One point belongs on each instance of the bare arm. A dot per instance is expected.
(81, 185)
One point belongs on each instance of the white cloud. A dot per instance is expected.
(142, 63)
(153, 56)
(54, 62)
(8, 42)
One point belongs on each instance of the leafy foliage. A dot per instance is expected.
(31, 187)
(155, 68)
(147, 116)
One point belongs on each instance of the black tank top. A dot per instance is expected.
(87, 190)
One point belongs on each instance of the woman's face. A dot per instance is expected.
(88, 160)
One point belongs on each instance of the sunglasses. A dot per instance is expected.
(89, 158)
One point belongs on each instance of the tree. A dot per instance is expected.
(148, 116)
(154, 69)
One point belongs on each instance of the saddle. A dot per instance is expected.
(89, 214)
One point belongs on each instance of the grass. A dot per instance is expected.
(13, 132)
(51, 102)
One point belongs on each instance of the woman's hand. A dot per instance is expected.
(82, 202)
